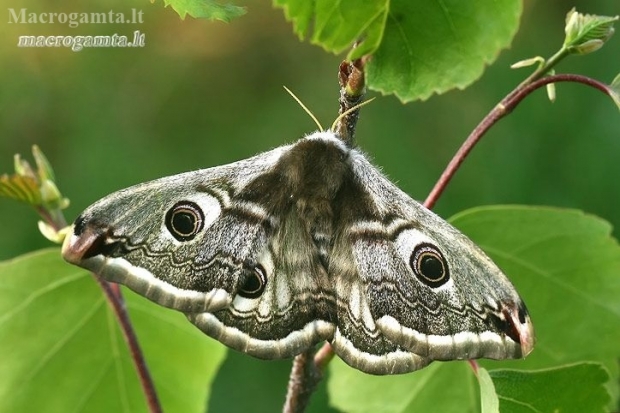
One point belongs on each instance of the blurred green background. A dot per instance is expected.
(205, 93)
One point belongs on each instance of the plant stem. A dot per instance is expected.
(323, 356)
(507, 105)
(116, 301)
(54, 218)
(305, 377)
(542, 70)
(352, 89)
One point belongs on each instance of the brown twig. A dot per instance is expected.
(304, 378)
(352, 89)
(323, 356)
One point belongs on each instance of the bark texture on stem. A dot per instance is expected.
(304, 379)
(352, 89)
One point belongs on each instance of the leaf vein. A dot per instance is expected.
(547, 276)
(39, 293)
(60, 344)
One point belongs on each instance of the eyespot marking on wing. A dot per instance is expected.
(187, 217)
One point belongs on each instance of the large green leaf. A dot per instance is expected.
(441, 387)
(417, 48)
(62, 350)
(451, 387)
(566, 266)
(543, 391)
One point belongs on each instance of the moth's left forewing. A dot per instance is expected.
(427, 287)
(220, 245)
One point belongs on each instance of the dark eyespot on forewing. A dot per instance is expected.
(429, 265)
(184, 220)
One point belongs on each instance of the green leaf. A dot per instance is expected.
(615, 90)
(565, 265)
(520, 391)
(299, 12)
(432, 47)
(440, 387)
(20, 188)
(338, 24)
(489, 403)
(586, 33)
(205, 9)
(418, 48)
(63, 351)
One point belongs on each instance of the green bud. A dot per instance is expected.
(36, 188)
(50, 233)
(528, 62)
(615, 90)
(23, 168)
(588, 47)
(44, 168)
(551, 88)
(50, 195)
(586, 33)
(551, 92)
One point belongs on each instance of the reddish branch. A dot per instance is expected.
(305, 377)
(112, 292)
(507, 105)
(116, 301)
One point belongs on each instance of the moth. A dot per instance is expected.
(305, 243)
